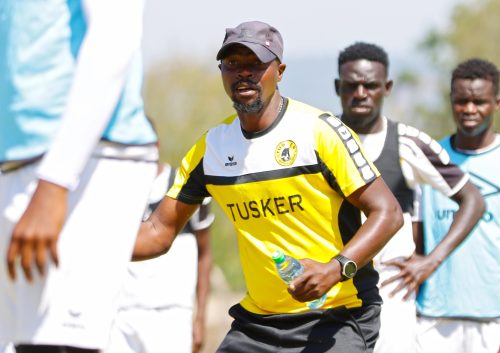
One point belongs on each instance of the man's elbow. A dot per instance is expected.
(163, 246)
(396, 215)
(479, 201)
(481, 204)
(393, 217)
(152, 250)
(151, 242)
(471, 199)
(160, 245)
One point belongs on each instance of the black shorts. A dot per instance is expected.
(338, 330)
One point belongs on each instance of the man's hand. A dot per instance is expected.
(316, 280)
(38, 229)
(198, 334)
(413, 272)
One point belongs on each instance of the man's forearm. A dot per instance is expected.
(372, 236)
(471, 208)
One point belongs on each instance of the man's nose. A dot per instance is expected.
(360, 91)
(245, 70)
(470, 108)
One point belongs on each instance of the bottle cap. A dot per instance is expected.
(278, 256)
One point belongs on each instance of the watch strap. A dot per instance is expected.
(343, 260)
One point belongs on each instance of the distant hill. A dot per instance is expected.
(310, 80)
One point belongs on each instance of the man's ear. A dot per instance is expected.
(281, 70)
(219, 66)
(388, 87)
(336, 84)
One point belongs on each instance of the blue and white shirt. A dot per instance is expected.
(71, 75)
(467, 283)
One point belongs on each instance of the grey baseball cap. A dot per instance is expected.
(264, 40)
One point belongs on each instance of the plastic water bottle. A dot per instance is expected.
(290, 268)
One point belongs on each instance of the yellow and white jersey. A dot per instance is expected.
(285, 188)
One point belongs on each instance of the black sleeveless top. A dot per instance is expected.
(389, 165)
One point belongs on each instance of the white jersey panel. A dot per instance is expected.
(238, 163)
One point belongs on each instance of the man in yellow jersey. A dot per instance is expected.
(291, 177)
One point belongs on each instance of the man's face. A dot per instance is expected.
(362, 86)
(249, 82)
(473, 102)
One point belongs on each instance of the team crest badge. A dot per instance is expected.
(285, 153)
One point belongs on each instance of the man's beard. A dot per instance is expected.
(251, 108)
(479, 129)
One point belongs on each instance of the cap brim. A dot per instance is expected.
(264, 54)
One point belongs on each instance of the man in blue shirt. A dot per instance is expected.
(458, 305)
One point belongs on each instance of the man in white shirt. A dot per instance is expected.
(77, 157)
(405, 157)
(163, 304)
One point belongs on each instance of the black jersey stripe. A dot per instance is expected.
(194, 185)
(365, 281)
(351, 145)
(263, 176)
(329, 177)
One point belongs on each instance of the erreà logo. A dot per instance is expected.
(231, 161)
(285, 153)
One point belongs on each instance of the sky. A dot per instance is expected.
(309, 27)
(314, 32)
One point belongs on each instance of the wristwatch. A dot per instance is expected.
(348, 268)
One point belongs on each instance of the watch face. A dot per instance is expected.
(350, 269)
